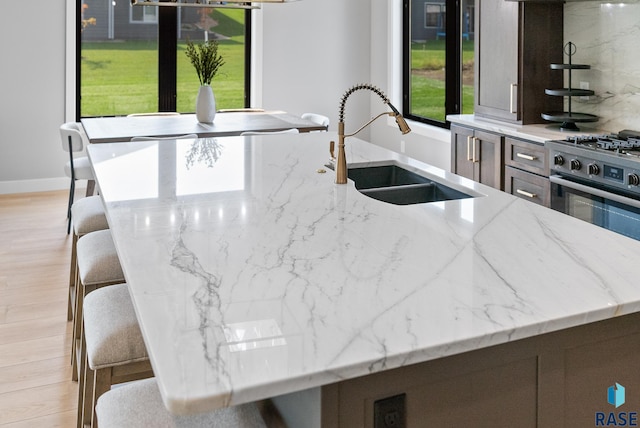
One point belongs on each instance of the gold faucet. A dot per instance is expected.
(341, 164)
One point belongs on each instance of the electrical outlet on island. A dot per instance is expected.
(390, 412)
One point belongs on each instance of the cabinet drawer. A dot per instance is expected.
(527, 186)
(526, 155)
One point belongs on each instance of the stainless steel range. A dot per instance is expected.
(597, 179)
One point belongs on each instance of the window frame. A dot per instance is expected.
(144, 8)
(453, 61)
(167, 22)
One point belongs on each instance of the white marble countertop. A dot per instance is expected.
(538, 132)
(258, 276)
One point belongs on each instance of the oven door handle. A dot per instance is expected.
(556, 179)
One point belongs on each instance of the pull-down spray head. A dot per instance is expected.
(402, 124)
(341, 164)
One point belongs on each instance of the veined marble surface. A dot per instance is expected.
(606, 36)
(253, 275)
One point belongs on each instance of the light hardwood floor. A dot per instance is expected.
(35, 361)
(35, 358)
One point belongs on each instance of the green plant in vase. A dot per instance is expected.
(207, 61)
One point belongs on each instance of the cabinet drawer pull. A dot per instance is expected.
(525, 193)
(469, 148)
(475, 141)
(527, 157)
(512, 108)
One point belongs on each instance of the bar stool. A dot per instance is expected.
(77, 168)
(98, 266)
(139, 405)
(88, 216)
(113, 345)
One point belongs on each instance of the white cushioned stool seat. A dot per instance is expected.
(98, 261)
(98, 266)
(139, 405)
(113, 349)
(88, 216)
(111, 329)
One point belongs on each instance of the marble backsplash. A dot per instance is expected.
(607, 37)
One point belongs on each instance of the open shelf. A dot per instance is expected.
(569, 118)
(569, 92)
(570, 67)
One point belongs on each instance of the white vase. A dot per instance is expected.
(205, 104)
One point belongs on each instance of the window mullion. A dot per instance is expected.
(406, 59)
(167, 64)
(453, 58)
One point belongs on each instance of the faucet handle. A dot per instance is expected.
(332, 146)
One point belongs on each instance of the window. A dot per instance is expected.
(434, 15)
(144, 14)
(131, 58)
(438, 52)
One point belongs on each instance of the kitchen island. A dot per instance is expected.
(254, 275)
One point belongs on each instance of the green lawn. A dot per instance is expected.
(427, 93)
(429, 55)
(121, 77)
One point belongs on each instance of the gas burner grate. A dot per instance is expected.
(610, 142)
(618, 144)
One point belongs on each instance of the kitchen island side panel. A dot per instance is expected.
(552, 380)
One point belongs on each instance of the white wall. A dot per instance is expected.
(312, 52)
(32, 88)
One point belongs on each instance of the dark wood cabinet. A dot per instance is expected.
(528, 186)
(517, 166)
(515, 45)
(477, 155)
(526, 172)
(556, 379)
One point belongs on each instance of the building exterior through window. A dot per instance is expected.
(119, 69)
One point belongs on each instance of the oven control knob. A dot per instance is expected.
(593, 169)
(575, 165)
(558, 160)
(634, 180)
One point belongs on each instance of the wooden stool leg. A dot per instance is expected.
(73, 269)
(81, 361)
(101, 385)
(87, 397)
(81, 291)
(91, 185)
(85, 393)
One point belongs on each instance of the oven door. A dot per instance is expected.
(596, 206)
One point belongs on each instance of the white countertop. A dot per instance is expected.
(538, 132)
(123, 128)
(258, 276)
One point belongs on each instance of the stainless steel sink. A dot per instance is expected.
(396, 185)
(383, 176)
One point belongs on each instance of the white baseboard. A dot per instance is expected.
(38, 185)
